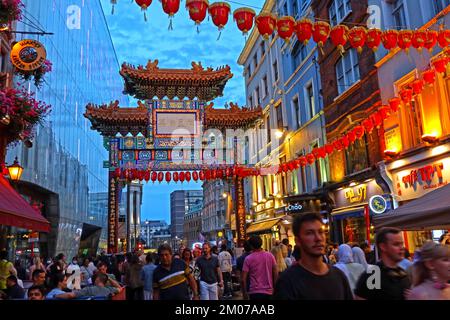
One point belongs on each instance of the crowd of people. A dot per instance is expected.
(310, 270)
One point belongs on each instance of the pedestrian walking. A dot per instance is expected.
(348, 266)
(431, 273)
(226, 267)
(147, 277)
(240, 265)
(360, 257)
(14, 291)
(133, 279)
(210, 274)
(393, 279)
(261, 268)
(6, 269)
(311, 278)
(277, 251)
(172, 277)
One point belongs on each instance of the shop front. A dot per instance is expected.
(354, 206)
(412, 178)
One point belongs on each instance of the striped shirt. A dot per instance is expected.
(172, 284)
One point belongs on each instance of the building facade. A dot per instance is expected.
(192, 226)
(152, 231)
(63, 169)
(417, 137)
(350, 92)
(181, 202)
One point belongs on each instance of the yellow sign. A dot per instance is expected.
(28, 55)
(361, 194)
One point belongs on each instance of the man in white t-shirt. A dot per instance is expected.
(226, 267)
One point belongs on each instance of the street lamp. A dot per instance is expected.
(224, 195)
(15, 170)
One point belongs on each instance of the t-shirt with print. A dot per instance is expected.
(172, 284)
(259, 266)
(208, 269)
(225, 261)
(297, 283)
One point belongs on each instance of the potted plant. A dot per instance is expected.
(10, 10)
(37, 74)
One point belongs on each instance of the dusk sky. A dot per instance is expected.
(137, 41)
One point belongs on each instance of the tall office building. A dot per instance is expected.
(181, 202)
(64, 169)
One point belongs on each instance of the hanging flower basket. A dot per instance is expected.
(37, 75)
(20, 112)
(10, 10)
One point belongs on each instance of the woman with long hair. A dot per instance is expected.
(431, 273)
(37, 264)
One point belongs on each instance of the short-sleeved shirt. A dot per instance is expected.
(259, 266)
(393, 283)
(297, 283)
(172, 284)
(208, 269)
(53, 293)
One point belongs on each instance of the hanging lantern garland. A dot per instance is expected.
(197, 10)
(338, 36)
(373, 39)
(219, 12)
(266, 23)
(304, 29)
(144, 4)
(357, 38)
(170, 7)
(285, 28)
(244, 19)
(321, 31)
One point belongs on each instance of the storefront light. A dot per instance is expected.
(279, 133)
(391, 153)
(15, 170)
(352, 184)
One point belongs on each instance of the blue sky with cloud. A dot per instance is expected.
(137, 41)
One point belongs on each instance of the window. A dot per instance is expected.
(267, 123)
(266, 88)
(296, 112)
(299, 54)
(338, 10)
(317, 166)
(255, 61)
(310, 100)
(347, 70)
(263, 48)
(440, 5)
(275, 71)
(279, 112)
(295, 9)
(250, 101)
(356, 157)
(249, 70)
(258, 97)
(398, 12)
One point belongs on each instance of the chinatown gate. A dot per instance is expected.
(178, 131)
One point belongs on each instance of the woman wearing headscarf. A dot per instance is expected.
(431, 273)
(347, 265)
(359, 257)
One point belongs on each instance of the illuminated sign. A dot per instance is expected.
(356, 195)
(392, 138)
(378, 204)
(28, 55)
(294, 207)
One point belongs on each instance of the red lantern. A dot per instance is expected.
(197, 10)
(384, 112)
(144, 4)
(244, 19)
(168, 177)
(447, 52)
(357, 38)
(319, 152)
(444, 38)
(338, 36)
(373, 39)
(303, 161)
(188, 176)
(135, 174)
(219, 174)
(160, 177)
(310, 158)
(181, 176)
(345, 142)
(431, 39)
(417, 86)
(394, 103)
(351, 136)
(406, 95)
(219, 12)
(170, 7)
(207, 174)
(201, 175)
(368, 125)
(418, 39)
(141, 175)
(440, 64)
(429, 76)
(229, 172)
(117, 173)
(405, 40)
(285, 27)
(266, 22)
(147, 175)
(389, 39)
(195, 176)
(175, 176)
(321, 31)
(359, 132)
(304, 29)
(291, 165)
(329, 148)
(154, 176)
(338, 145)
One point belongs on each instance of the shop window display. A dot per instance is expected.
(354, 230)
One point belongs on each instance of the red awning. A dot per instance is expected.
(15, 211)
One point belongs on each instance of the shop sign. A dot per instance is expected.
(294, 207)
(415, 182)
(240, 212)
(358, 194)
(106, 164)
(28, 55)
(378, 204)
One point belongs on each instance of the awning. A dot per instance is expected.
(16, 212)
(429, 212)
(261, 226)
